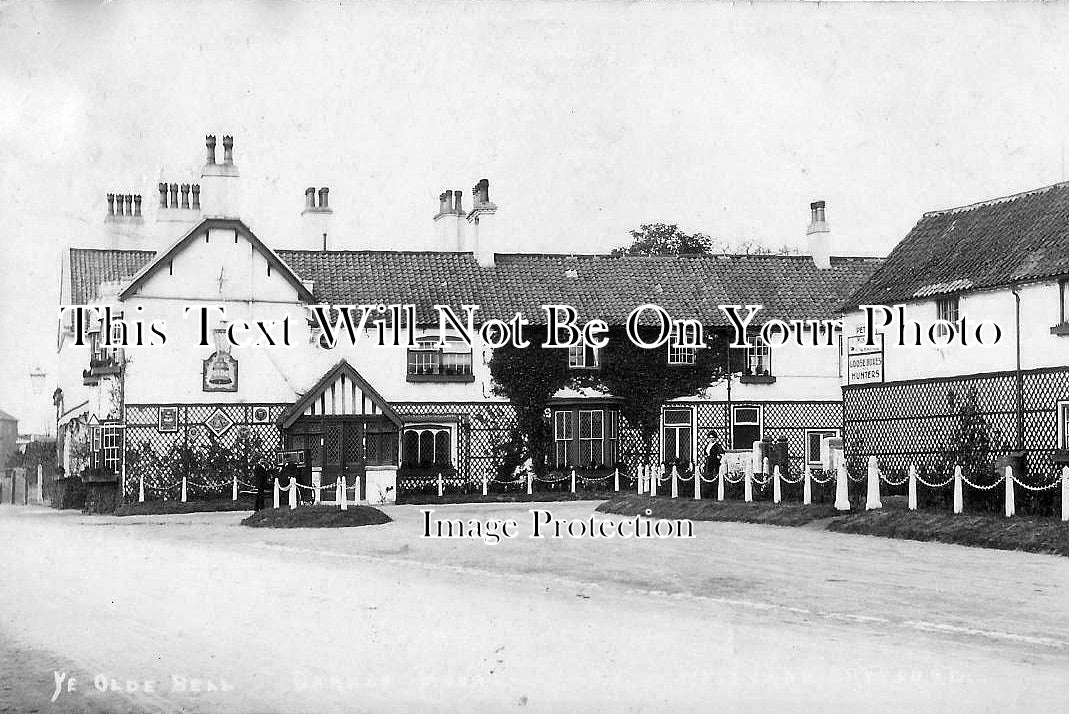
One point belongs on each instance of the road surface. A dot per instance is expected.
(740, 618)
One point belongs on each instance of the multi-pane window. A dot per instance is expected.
(745, 426)
(591, 437)
(1063, 425)
(814, 438)
(428, 446)
(585, 437)
(946, 309)
(678, 435)
(563, 434)
(380, 445)
(428, 360)
(582, 357)
(106, 447)
(758, 359)
(1063, 301)
(677, 354)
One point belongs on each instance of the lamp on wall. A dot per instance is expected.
(37, 379)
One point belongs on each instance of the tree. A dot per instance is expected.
(668, 239)
(751, 246)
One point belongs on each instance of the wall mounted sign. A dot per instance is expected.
(168, 421)
(220, 373)
(864, 363)
(219, 423)
(261, 415)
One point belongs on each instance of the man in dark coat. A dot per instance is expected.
(262, 479)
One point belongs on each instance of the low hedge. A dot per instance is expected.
(316, 517)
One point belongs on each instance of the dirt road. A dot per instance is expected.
(741, 618)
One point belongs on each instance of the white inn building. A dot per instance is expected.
(379, 416)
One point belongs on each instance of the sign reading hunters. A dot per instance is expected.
(864, 363)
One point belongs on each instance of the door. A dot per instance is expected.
(343, 457)
(677, 434)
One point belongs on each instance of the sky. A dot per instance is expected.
(588, 118)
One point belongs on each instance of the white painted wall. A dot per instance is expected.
(1039, 348)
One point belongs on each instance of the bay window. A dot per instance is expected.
(585, 438)
(452, 362)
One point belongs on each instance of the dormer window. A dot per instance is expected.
(583, 357)
(452, 362)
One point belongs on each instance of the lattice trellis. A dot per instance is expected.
(912, 423)
(162, 458)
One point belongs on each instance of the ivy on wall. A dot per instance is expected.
(640, 380)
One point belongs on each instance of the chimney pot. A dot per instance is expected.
(174, 195)
(129, 200)
(324, 198)
(185, 195)
(458, 208)
(163, 195)
(111, 204)
(481, 192)
(228, 149)
(445, 202)
(309, 198)
(209, 142)
(137, 205)
(196, 197)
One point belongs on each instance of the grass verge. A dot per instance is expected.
(1023, 533)
(773, 514)
(421, 499)
(152, 508)
(316, 517)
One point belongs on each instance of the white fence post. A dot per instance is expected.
(639, 478)
(343, 496)
(616, 479)
(912, 500)
(720, 480)
(777, 489)
(317, 486)
(1010, 505)
(41, 483)
(957, 489)
(485, 482)
(807, 487)
(573, 480)
(1065, 493)
(183, 489)
(276, 492)
(872, 497)
(747, 487)
(675, 482)
(697, 484)
(234, 490)
(530, 480)
(141, 487)
(842, 492)
(293, 492)
(441, 485)
(654, 478)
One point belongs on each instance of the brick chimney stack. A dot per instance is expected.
(449, 223)
(316, 219)
(481, 224)
(818, 236)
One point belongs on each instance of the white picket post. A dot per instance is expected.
(957, 489)
(747, 487)
(777, 489)
(441, 485)
(141, 488)
(720, 480)
(872, 497)
(765, 470)
(343, 496)
(484, 483)
(234, 490)
(276, 492)
(573, 480)
(530, 481)
(675, 482)
(842, 493)
(1011, 507)
(41, 483)
(1065, 493)
(616, 479)
(293, 492)
(654, 478)
(697, 485)
(912, 499)
(183, 489)
(807, 487)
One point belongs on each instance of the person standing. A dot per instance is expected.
(714, 454)
(261, 485)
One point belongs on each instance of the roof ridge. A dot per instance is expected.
(112, 250)
(995, 201)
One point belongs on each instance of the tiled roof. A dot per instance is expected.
(92, 266)
(789, 286)
(4, 416)
(984, 245)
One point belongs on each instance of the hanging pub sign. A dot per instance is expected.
(168, 421)
(864, 363)
(220, 373)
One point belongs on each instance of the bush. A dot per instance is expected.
(316, 517)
